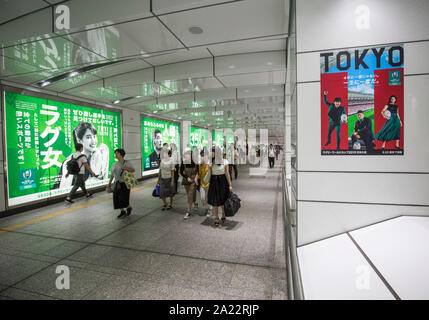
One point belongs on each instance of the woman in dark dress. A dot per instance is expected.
(220, 183)
(392, 128)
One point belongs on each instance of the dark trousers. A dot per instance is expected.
(233, 166)
(271, 160)
(176, 177)
(78, 183)
(337, 127)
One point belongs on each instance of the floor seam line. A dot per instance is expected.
(382, 278)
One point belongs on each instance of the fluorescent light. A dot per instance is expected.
(231, 67)
(138, 97)
(45, 83)
(74, 73)
(116, 101)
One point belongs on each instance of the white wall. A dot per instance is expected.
(131, 133)
(340, 193)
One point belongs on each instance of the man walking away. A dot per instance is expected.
(271, 155)
(76, 166)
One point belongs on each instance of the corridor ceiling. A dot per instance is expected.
(219, 64)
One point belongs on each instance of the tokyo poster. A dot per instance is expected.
(362, 101)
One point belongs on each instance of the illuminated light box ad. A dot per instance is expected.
(362, 101)
(40, 138)
(198, 137)
(218, 138)
(154, 134)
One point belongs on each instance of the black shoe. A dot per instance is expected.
(89, 195)
(69, 200)
(121, 215)
(327, 144)
(129, 211)
(397, 148)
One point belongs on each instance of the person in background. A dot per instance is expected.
(166, 179)
(175, 157)
(203, 169)
(121, 197)
(271, 155)
(79, 181)
(232, 157)
(277, 152)
(189, 172)
(220, 184)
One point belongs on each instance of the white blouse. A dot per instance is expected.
(218, 170)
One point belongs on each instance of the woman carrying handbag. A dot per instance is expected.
(121, 192)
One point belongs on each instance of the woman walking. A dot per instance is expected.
(392, 128)
(203, 169)
(189, 172)
(121, 194)
(220, 184)
(175, 157)
(166, 179)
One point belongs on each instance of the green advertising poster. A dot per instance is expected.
(218, 138)
(40, 138)
(198, 137)
(229, 139)
(154, 134)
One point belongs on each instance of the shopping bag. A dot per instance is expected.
(232, 205)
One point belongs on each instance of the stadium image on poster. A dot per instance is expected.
(154, 134)
(198, 137)
(40, 138)
(362, 94)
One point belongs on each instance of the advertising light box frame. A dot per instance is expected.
(60, 100)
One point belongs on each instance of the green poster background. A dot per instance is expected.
(170, 133)
(198, 137)
(218, 138)
(229, 139)
(39, 142)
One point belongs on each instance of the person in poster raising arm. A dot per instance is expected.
(336, 110)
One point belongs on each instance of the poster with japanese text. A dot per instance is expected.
(198, 137)
(218, 138)
(154, 134)
(362, 101)
(40, 138)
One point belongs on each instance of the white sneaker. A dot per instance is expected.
(209, 214)
(187, 215)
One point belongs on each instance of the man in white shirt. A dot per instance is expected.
(271, 155)
(232, 157)
(79, 181)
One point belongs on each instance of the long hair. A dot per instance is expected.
(390, 98)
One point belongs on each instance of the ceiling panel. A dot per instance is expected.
(131, 78)
(71, 83)
(260, 91)
(11, 9)
(120, 68)
(10, 67)
(128, 39)
(250, 63)
(247, 46)
(253, 79)
(27, 26)
(216, 94)
(52, 53)
(191, 85)
(232, 21)
(185, 70)
(166, 6)
(179, 55)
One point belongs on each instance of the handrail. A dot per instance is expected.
(294, 284)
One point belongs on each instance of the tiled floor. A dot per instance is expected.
(335, 268)
(152, 254)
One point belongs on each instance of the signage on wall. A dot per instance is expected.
(41, 136)
(362, 101)
(155, 134)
